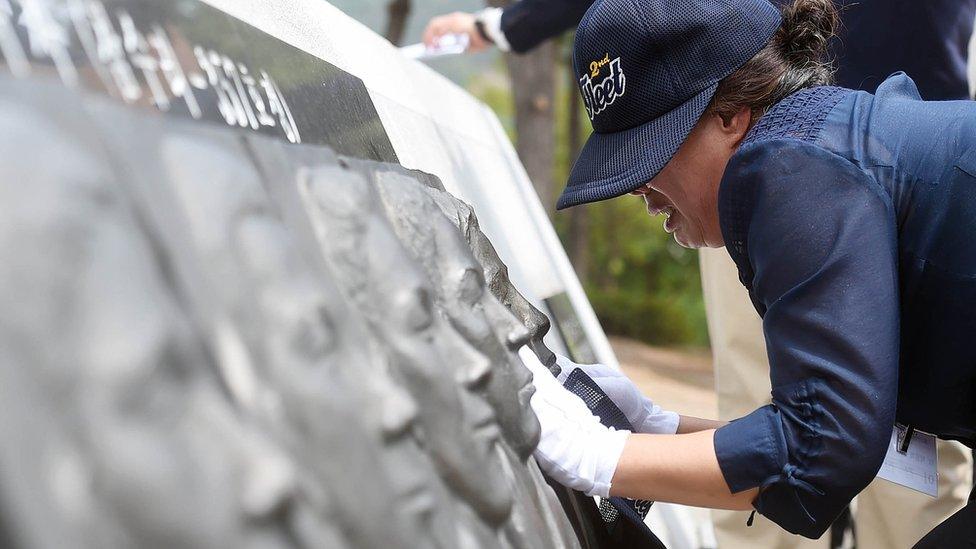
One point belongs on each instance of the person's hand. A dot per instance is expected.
(575, 448)
(643, 414)
(458, 22)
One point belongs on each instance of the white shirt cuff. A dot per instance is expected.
(492, 19)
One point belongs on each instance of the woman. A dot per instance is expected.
(850, 217)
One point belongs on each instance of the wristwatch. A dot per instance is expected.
(479, 25)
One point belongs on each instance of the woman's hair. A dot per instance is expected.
(793, 59)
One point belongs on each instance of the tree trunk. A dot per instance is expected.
(533, 78)
(579, 217)
(397, 13)
(534, 90)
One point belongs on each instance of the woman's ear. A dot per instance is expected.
(737, 126)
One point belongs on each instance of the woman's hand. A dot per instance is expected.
(579, 452)
(575, 448)
(458, 22)
(641, 412)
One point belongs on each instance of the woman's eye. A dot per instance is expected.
(313, 336)
(159, 393)
(420, 319)
(472, 288)
(418, 311)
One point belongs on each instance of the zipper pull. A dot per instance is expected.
(752, 515)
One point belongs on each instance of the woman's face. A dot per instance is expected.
(446, 375)
(310, 361)
(487, 325)
(501, 287)
(171, 458)
(686, 190)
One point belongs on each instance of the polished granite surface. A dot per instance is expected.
(185, 58)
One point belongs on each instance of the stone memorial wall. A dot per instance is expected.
(214, 339)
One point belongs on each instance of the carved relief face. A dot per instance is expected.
(414, 485)
(155, 445)
(170, 455)
(462, 298)
(296, 357)
(496, 273)
(490, 328)
(518, 382)
(446, 373)
(500, 285)
(441, 371)
(339, 402)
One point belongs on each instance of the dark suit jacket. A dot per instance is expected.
(926, 39)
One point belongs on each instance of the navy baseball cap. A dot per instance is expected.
(647, 70)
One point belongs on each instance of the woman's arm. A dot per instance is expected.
(581, 453)
(678, 469)
(692, 424)
(815, 239)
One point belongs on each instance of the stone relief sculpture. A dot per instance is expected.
(587, 518)
(145, 450)
(490, 326)
(461, 296)
(437, 366)
(304, 359)
(211, 341)
(496, 272)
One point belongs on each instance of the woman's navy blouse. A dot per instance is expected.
(852, 219)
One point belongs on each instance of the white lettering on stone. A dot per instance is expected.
(140, 65)
(48, 38)
(10, 46)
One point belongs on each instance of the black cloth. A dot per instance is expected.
(928, 40)
(528, 23)
(583, 386)
(623, 518)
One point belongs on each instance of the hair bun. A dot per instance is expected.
(806, 29)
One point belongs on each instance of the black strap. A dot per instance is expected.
(479, 25)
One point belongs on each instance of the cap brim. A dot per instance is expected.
(614, 164)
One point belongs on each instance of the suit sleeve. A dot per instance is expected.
(821, 252)
(528, 23)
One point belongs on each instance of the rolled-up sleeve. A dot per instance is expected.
(815, 239)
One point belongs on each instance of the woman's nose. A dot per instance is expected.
(476, 367)
(399, 411)
(516, 334)
(478, 371)
(518, 337)
(270, 482)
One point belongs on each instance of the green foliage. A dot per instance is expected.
(640, 282)
(650, 317)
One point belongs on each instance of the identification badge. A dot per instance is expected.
(912, 461)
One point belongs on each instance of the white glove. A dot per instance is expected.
(643, 414)
(575, 448)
